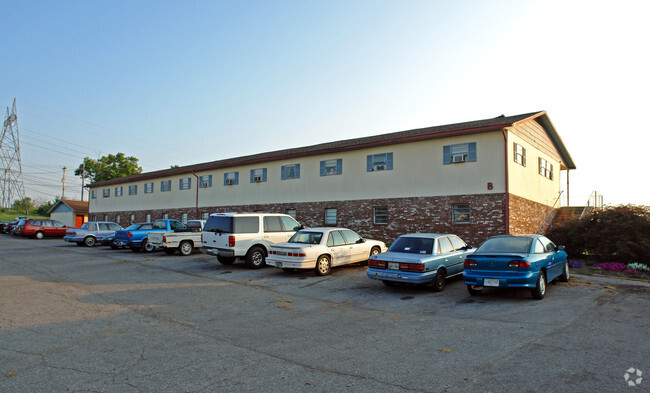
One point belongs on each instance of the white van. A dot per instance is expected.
(246, 235)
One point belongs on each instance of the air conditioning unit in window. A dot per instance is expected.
(378, 167)
(458, 158)
(204, 184)
(230, 182)
(257, 179)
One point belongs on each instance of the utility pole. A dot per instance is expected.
(63, 180)
(11, 179)
(83, 175)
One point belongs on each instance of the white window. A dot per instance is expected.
(205, 181)
(118, 191)
(184, 218)
(165, 216)
(545, 168)
(132, 218)
(380, 162)
(93, 194)
(133, 190)
(148, 188)
(331, 167)
(258, 175)
(206, 216)
(380, 215)
(290, 212)
(105, 218)
(165, 185)
(330, 216)
(230, 178)
(185, 183)
(461, 213)
(106, 193)
(148, 217)
(519, 154)
(459, 153)
(290, 172)
(117, 219)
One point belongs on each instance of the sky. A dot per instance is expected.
(180, 83)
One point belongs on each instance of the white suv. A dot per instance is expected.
(246, 235)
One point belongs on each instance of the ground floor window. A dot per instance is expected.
(380, 215)
(184, 218)
(290, 212)
(206, 216)
(330, 216)
(461, 213)
(148, 218)
(132, 218)
(165, 216)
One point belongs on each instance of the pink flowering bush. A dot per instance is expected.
(616, 267)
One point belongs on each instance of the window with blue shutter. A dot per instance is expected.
(205, 181)
(331, 167)
(165, 185)
(459, 153)
(185, 183)
(230, 178)
(379, 162)
(290, 172)
(258, 175)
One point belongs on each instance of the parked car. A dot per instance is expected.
(246, 235)
(40, 228)
(135, 236)
(184, 240)
(9, 226)
(420, 258)
(91, 232)
(529, 261)
(323, 248)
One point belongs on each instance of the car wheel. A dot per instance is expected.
(439, 281)
(323, 265)
(540, 288)
(89, 241)
(146, 246)
(226, 260)
(185, 248)
(564, 277)
(255, 258)
(114, 246)
(170, 251)
(39, 235)
(474, 290)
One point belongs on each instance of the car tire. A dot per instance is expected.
(89, 241)
(114, 246)
(255, 258)
(147, 247)
(185, 248)
(170, 251)
(474, 290)
(564, 277)
(323, 265)
(39, 235)
(439, 281)
(226, 260)
(540, 287)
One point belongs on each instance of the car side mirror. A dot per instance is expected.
(559, 248)
(301, 226)
(361, 240)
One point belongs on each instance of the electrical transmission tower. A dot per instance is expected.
(11, 178)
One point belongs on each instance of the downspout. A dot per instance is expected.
(505, 156)
(197, 196)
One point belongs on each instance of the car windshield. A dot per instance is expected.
(412, 245)
(506, 245)
(133, 227)
(306, 237)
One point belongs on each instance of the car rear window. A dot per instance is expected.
(412, 245)
(229, 224)
(306, 237)
(506, 245)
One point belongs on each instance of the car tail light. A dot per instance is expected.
(418, 267)
(271, 252)
(470, 262)
(231, 241)
(296, 254)
(518, 264)
(377, 263)
(164, 239)
(129, 234)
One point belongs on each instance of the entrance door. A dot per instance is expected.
(79, 219)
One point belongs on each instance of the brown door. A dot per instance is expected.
(79, 220)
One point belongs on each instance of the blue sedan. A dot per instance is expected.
(420, 258)
(529, 261)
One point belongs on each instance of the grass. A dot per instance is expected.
(10, 215)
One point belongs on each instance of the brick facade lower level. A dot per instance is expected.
(405, 215)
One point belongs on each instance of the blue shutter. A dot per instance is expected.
(283, 170)
(209, 180)
(339, 166)
(369, 163)
(236, 177)
(180, 184)
(322, 168)
(225, 179)
(471, 151)
(446, 154)
(189, 183)
(252, 175)
(161, 186)
(297, 171)
(389, 161)
(264, 174)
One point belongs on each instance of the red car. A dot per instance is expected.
(39, 229)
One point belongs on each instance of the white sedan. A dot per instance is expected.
(321, 249)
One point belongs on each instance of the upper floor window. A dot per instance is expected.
(205, 181)
(461, 152)
(93, 194)
(165, 185)
(118, 191)
(380, 162)
(545, 168)
(519, 154)
(133, 190)
(106, 192)
(290, 172)
(461, 213)
(230, 178)
(148, 188)
(331, 167)
(185, 183)
(258, 175)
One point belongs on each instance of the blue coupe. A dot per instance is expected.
(529, 261)
(420, 258)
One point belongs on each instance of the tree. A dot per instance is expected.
(24, 205)
(108, 167)
(45, 207)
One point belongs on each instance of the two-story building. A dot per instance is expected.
(475, 179)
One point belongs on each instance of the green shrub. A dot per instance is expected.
(619, 233)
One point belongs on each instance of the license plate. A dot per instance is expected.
(393, 265)
(491, 282)
(278, 264)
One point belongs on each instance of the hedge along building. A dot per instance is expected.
(475, 179)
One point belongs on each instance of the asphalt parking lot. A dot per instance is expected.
(95, 319)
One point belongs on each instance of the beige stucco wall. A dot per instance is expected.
(525, 181)
(418, 170)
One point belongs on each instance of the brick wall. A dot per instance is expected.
(405, 215)
(526, 216)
